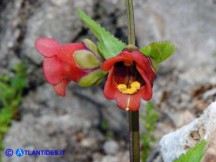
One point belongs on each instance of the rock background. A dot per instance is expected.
(185, 85)
(176, 143)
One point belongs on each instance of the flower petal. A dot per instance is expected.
(147, 73)
(48, 47)
(123, 57)
(53, 70)
(110, 86)
(60, 88)
(129, 102)
(146, 90)
(66, 52)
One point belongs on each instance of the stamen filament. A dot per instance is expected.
(128, 104)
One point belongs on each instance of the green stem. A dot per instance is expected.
(131, 26)
(134, 139)
(133, 117)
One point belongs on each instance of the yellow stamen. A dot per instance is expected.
(130, 91)
(134, 87)
(122, 87)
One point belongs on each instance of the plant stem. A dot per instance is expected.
(131, 26)
(134, 139)
(133, 117)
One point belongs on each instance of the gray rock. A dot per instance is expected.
(110, 147)
(65, 123)
(54, 19)
(9, 31)
(174, 144)
(187, 24)
(47, 132)
(88, 142)
(120, 157)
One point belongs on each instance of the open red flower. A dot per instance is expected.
(69, 62)
(130, 78)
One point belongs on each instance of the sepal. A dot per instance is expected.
(86, 59)
(91, 46)
(158, 51)
(92, 78)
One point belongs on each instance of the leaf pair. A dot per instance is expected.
(110, 46)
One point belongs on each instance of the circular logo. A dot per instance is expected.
(9, 152)
(19, 152)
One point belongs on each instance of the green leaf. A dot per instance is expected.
(194, 154)
(108, 45)
(4, 128)
(6, 114)
(8, 94)
(159, 51)
(21, 70)
(18, 83)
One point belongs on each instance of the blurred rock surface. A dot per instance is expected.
(176, 143)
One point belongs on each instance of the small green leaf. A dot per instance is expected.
(18, 83)
(159, 51)
(194, 154)
(108, 45)
(4, 129)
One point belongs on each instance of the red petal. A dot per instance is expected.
(110, 86)
(47, 47)
(67, 50)
(124, 56)
(145, 64)
(146, 90)
(147, 73)
(146, 93)
(53, 70)
(61, 87)
(128, 101)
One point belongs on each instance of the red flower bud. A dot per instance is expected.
(130, 78)
(69, 62)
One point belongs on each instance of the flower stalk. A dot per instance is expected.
(131, 26)
(133, 116)
(134, 139)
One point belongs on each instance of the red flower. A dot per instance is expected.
(130, 78)
(68, 62)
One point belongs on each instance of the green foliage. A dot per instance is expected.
(105, 127)
(150, 118)
(108, 45)
(11, 88)
(159, 51)
(194, 154)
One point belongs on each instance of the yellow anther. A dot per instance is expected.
(134, 87)
(122, 87)
(130, 91)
